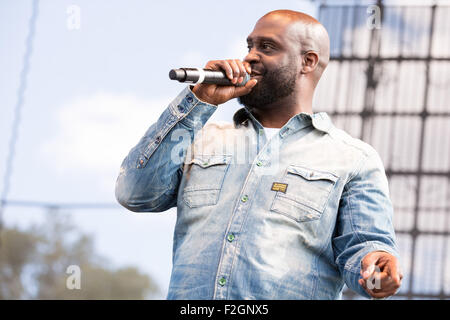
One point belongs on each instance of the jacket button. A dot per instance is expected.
(222, 281)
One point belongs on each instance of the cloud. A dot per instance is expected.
(95, 133)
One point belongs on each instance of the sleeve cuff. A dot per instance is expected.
(193, 112)
(200, 101)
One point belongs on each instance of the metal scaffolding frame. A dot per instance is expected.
(422, 227)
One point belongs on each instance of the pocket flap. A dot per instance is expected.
(309, 174)
(206, 161)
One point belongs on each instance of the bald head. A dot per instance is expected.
(307, 31)
(287, 52)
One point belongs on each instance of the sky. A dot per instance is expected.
(96, 82)
(98, 79)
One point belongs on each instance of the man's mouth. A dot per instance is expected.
(255, 75)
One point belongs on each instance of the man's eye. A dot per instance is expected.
(266, 46)
(263, 46)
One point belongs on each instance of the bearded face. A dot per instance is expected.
(273, 85)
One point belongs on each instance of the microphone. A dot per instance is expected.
(197, 75)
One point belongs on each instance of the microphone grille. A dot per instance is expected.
(177, 74)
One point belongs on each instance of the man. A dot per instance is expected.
(294, 216)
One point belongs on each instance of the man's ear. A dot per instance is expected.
(310, 62)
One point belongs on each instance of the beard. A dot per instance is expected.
(273, 86)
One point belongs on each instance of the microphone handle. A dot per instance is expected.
(194, 75)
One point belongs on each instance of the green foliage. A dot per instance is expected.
(34, 262)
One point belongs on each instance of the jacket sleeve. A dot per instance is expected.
(150, 175)
(364, 222)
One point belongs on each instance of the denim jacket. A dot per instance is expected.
(286, 218)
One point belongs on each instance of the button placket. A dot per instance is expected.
(231, 245)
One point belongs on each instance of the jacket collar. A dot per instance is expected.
(321, 121)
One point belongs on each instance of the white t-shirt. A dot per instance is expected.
(270, 132)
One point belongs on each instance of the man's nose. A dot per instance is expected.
(252, 57)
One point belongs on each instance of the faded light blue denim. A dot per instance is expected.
(235, 237)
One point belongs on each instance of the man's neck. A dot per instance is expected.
(277, 114)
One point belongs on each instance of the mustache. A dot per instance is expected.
(256, 71)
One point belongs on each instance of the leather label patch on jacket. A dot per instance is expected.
(278, 186)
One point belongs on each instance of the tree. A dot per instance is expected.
(16, 252)
(34, 264)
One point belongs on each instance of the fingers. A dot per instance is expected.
(378, 288)
(234, 69)
(380, 283)
(247, 66)
(240, 91)
(221, 65)
(393, 270)
(242, 71)
(368, 264)
(388, 283)
(374, 293)
(368, 271)
(380, 274)
(239, 70)
(374, 261)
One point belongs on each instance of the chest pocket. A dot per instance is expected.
(204, 178)
(306, 195)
